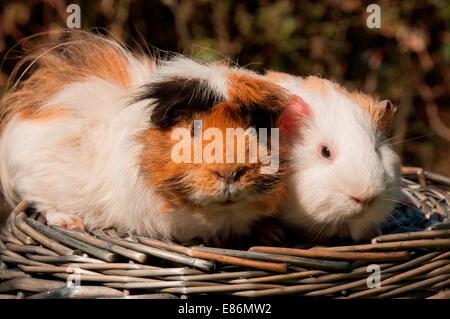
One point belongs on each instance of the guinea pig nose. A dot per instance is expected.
(363, 200)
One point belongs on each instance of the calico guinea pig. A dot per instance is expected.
(345, 178)
(89, 138)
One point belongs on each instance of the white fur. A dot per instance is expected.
(86, 163)
(320, 198)
(213, 75)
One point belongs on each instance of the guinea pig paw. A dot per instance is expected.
(64, 220)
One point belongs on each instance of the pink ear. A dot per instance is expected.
(296, 110)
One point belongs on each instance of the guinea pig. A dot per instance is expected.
(346, 176)
(92, 137)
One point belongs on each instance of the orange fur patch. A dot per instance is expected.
(277, 76)
(157, 166)
(314, 82)
(83, 55)
(250, 90)
(317, 84)
(42, 115)
(370, 105)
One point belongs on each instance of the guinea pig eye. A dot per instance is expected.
(325, 152)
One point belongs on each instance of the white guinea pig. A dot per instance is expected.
(346, 176)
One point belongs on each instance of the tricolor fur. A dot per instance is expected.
(86, 138)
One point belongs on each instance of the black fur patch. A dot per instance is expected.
(177, 98)
(264, 114)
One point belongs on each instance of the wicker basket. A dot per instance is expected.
(37, 261)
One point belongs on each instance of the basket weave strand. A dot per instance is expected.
(38, 261)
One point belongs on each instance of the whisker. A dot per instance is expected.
(406, 140)
(401, 202)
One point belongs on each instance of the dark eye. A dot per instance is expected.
(325, 152)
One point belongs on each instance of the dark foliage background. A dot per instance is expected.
(406, 60)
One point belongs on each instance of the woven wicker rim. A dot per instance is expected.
(37, 261)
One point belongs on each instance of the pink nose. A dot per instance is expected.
(362, 200)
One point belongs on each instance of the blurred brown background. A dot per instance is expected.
(407, 60)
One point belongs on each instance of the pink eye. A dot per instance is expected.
(325, 152)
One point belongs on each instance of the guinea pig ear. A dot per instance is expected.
(387, 111)
(176, 98)
(296, 111)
